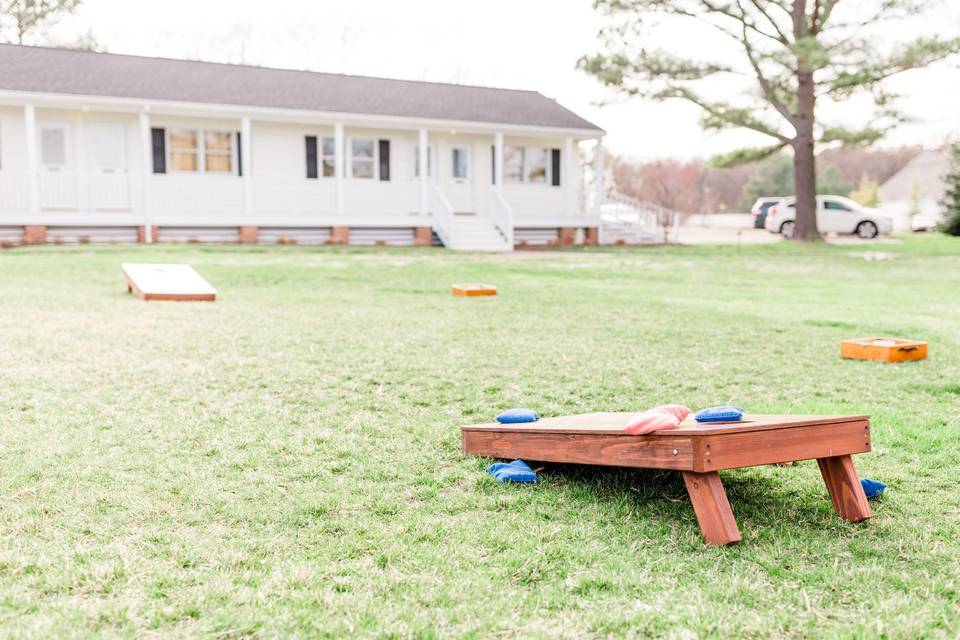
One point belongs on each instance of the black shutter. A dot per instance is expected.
(385, 160)
(311, 142)
(239, 155)
(493, 164)
(555, 167)
(159, 143)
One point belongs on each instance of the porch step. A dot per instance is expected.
(475, 232)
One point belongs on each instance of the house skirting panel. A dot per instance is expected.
(531, 237)
(10, 236)
(93, 235)
(422, 236)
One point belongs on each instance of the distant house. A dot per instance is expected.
(917, 188)
(100, 147)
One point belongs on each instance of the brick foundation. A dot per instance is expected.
(155, 232)
(34, 234)
(248, 235)
(566, 236)
(340, 235)
(591, 239)
(141, 234)
(423, 236)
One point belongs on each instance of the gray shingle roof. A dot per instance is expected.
(68, 71)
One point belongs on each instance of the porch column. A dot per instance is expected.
(146, 173)
(567, 174)
(498, 160)
(81, 177)
(424, 169)
(598, 178)
(339, 165)
(33, 184)
(245, 164)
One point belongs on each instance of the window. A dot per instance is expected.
(201, 151)
(218, 152)
(835, 206)
(416, 162)
(325, 156)
(513, 164)
(459, 162)
(536, 167)
(361, 158)
(184, 150)
(53, 146)
(533, 165)
(329, 157)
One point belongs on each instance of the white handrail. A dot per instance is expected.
(442, 210)
(502, 215)
(624, 212)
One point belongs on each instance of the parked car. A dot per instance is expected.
(834, 214)
(760, 208)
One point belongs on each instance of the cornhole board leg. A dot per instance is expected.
(712, 507)
(845, 489)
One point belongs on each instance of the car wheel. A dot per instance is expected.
(786, 229)
(867, 230)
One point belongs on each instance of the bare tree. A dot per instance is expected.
(22, 18)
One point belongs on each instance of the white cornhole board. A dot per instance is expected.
(167, 282)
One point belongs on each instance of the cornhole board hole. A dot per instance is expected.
(167, 282)
(883, 349)
(471, 290)
(698, 451)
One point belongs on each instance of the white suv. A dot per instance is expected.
(834, 213)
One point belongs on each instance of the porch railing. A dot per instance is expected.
(442, 210)
(69, 190)
(502, 215)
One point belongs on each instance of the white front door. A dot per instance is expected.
(109, 185)
(58, 184)
(458, 173)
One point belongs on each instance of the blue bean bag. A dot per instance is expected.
(873, 488)
(513, 416)
(720, 414)
(516, 471)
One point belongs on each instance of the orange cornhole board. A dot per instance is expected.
(167, 282)
(698, 451)
(883, 349)
(471, 290)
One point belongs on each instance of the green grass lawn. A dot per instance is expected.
(286, 462)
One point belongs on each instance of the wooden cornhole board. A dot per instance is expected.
(471, 290)
(167, 282)
(883, 349)
(698, 451)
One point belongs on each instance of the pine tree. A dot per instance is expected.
(951, 199)
(801, 53)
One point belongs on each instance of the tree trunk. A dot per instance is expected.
(804, 162)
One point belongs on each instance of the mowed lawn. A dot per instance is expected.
(285, 462)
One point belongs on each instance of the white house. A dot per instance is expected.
(103, 147)
(916, 190)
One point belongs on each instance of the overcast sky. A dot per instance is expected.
(525, 44)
